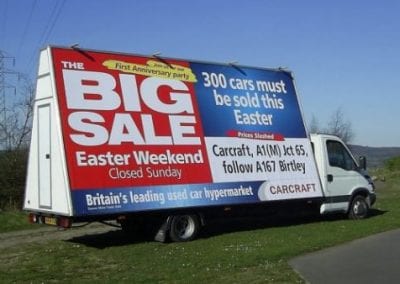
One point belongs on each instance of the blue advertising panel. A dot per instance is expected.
(247, 99)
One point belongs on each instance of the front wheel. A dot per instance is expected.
(184, 228)
(359, 208)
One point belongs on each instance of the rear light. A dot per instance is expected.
(32, 218)
(63, 222)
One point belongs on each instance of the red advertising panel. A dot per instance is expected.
(126, 123)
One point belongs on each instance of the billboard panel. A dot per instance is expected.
(143, 133)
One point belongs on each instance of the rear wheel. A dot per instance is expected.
(359, 208)
(184, 228)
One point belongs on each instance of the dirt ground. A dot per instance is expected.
(45, 234)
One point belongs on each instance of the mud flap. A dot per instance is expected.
(162, 233)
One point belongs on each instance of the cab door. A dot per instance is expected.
(342, 175)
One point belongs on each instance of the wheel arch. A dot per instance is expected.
(359, 205)
(359, 191)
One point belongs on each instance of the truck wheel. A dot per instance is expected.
(358, 208)
(184, 228)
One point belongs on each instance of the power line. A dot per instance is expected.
(50, 26)
(26, 27)
(54, 15)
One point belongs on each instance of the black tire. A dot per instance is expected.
(359, 208)
(184, 228)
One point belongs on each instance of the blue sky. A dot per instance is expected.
(344, 54)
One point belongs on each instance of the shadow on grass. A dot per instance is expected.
(376, 212)
(219, 227)
(109, 239)
(214, 228)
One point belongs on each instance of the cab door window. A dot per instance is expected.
(339, 156)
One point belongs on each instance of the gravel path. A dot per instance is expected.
(45, 234)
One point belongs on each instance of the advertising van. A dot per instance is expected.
(149, 140)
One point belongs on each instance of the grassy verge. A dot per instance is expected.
(14, 221)
(257, 254)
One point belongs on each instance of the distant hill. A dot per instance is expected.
(376, 156)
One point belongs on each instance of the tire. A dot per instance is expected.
(184, 228)
(359, 208)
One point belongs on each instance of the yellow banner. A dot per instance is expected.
(153, 68)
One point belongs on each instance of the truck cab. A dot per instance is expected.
(346, 185)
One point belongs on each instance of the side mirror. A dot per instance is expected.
(362, 161)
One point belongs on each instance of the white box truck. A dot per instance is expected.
(150, 140)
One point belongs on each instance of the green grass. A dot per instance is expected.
(256, 255)
(14, 220)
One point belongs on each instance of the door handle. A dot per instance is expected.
(330, 178)
(47, 156)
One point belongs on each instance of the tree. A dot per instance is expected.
(314, 125)
(337, 125)
(15, 129)
(15, 126)
(12, 178)
(340, 127)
